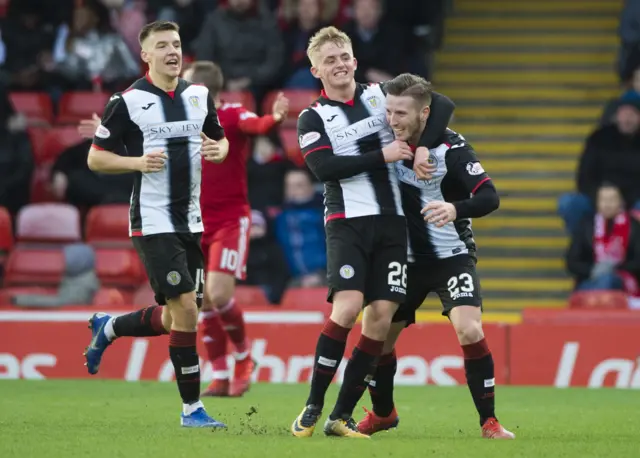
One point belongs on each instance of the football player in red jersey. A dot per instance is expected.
(226, 213)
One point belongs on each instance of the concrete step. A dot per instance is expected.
(516, 231)
(505, 147)
(539, 79)
(520, 264)
(551, 40)
(598, 7)
(489, 94)
(525, 185)
(592, 113)
(497, 222)
(506, 165)
(526, 23)
(482, 58)
(491, 303)
(536, 131)
(533, 285)
(485, 241)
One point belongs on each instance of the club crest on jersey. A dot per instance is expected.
(194, 100)
(347, 272)
(373, 101)
(174, 278)
(474, 168)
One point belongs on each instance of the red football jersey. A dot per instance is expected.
(224, 194)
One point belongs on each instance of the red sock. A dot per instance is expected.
(215, 341)
(233, 322)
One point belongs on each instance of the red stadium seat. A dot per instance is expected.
(75, 106)
(48, 143)
(144, 296)
(298, 101)
(34, 267)
(119, 267)
(36, 106)
(289, 137)
(112, 297)
(48, 223)
(40, 185)
(243, 97)
(7, 293)
(602, 299)
(6, 235)
(108, 223)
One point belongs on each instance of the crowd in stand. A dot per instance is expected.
(91, 45)
(603, 216)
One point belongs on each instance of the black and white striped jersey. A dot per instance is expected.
(145, 118)
(342, 145)
(459, 174)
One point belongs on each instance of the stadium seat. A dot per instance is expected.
(75, 106)
(48, 223)
(289, 137)
(28, 266)
(48, 143)
(108, 223)
(599, 299)
(118, 267)
(144, 296)
(6, 236)
(36, 106)
(40, 185)
(7, 293)
(298, 101)
(243, 97)
(111, 297)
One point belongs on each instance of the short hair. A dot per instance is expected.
(410, 85)
(209, 74)
(157, 26)
(327, 35)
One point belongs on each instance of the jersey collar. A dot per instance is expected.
(323, 94)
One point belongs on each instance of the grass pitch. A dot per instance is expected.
(110, 419)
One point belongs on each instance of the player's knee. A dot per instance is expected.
(218, 292)
(184, 312)
(392, 336)
(468, 328)
(346, 308)
(377, 318)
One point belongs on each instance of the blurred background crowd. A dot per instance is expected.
(60, 61)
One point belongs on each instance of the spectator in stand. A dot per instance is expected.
(605, 251)
(612, 154)
(629, 56)
(300, 230)
(73, 182)
(631, 94)
(380, 46)
(266, 170)
(127, 17)
(89, 55)
(304, 18)
(189, 14)
(245, 41)
(28, 35)
(16, 159)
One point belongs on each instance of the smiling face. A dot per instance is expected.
(162, 50)
(406, 117)
(334, 64)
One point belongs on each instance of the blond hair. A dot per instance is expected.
(327, 35)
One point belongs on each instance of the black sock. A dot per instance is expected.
(356, 376)
(381, 387)
(329, 352)
(184, 356)
(146, 322)
(478, 367)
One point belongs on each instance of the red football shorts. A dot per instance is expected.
(226, 247)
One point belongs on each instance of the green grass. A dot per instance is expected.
(135, 420)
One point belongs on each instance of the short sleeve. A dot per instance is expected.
(312, 135)
(113, 127)
(211, 126)
(464, 164)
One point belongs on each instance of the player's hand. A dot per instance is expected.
(87, 127)
(439, 213)
(421, 166)
(211, 150)
(397, 151)
(152, 162)
(280, 107)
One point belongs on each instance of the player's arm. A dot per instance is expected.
(463, 161)
(109, 134)
(442, 108)
(215, 146)
(318, 153)
(251, 124)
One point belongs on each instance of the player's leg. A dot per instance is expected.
(462, 302)
(347, 272)
(183, 287)
(386, 285)
(383, 415)
(146, 322)
(212, 332)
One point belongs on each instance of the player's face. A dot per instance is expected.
(609, 202)
(163, 52)
(335, 65)
(406, 117)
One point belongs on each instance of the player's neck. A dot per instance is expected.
(415, 138)
(164, 82)
(341, 94)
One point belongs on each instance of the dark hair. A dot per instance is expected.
(209, 74)
(157, 26)
(410, 85)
